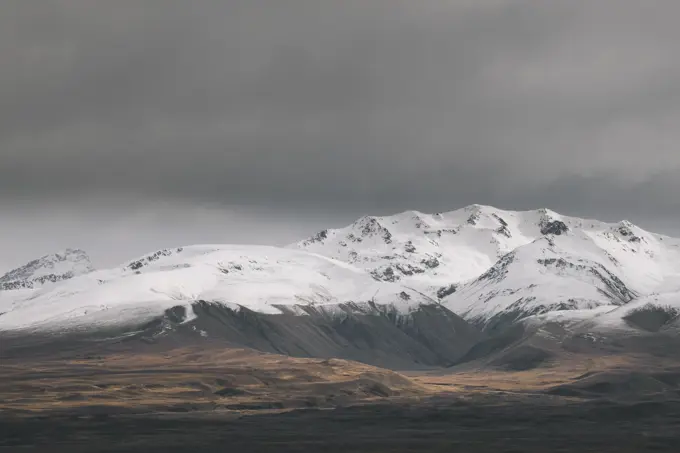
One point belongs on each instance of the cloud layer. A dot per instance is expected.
(353, 105)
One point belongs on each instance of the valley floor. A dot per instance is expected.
(217, 399)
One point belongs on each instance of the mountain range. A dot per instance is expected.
(478, 284)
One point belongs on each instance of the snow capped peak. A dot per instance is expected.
(483, 261)
(433, 251)
(49, 268)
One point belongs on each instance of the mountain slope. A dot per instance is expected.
(266, 298)
(549, 274)
(409, 290)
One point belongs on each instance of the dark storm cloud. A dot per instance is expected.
(378, 104)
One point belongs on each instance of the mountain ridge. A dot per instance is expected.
(470, 276)
(468, 259)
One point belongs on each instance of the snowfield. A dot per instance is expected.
(257, 277)
(483, 263)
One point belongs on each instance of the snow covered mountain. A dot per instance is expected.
(495, 267)
(260, 278)
(49, 268)
(398, 285)
(266, 298)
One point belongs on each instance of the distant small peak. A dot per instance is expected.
(73, 253)
(54, 267)
(369, 226)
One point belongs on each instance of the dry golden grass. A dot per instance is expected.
(244, 380)
(569, 368)
(195, 376)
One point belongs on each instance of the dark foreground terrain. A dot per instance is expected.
(237, 400)
(271, 385)
(484, 424)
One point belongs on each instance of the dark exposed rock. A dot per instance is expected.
(556, 227)
(407, 269)
(353, 238)
(395, 272)
(504, 231)
(136, 265)
(560, 263)
(431, 262)
(499, 270)
(625, 229)
(17, 284)
(387, 237)
(385, 274)
(446, 291)
(319, 237)
(500, 220)
(615, 288)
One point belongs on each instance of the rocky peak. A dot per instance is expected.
(49, 268)
(550, 223)
(628, 231)
(371, 226)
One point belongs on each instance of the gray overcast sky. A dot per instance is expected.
(128, 125)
